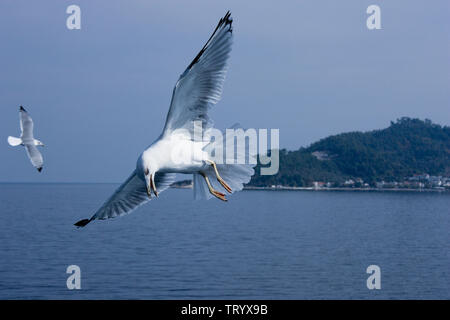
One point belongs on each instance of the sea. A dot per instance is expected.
(258, 245)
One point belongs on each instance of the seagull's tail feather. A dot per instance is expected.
(13, 141)
(83, 222)
(234, 174)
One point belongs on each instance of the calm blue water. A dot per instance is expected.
(261, 244)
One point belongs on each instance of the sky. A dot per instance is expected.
(99, 95)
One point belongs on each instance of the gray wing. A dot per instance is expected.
(35, 156)
(26, 125)
(200, 85)
(129, 196)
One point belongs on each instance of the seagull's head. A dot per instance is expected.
(149, 175)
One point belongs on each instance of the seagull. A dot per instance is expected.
(27, 140)
(197, 89)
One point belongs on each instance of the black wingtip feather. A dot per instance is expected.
(227, 20)
(22, 109)
(39, 169)
(82, 223)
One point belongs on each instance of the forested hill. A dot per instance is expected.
(407, 147)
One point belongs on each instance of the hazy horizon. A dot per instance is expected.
(99, 95)
(179, 176)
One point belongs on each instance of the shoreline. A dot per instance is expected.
(254, 188)
(345, 189)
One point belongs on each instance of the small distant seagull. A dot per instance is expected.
(27, 140)
(198, 88)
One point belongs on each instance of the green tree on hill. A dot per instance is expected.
(407, 147)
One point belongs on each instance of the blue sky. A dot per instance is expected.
(311, 68)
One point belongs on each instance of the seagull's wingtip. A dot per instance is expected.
(22, 109)
(227, 19)
(39, 169)
(82, 223)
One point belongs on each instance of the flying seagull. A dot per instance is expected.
(197, 89)
(27, 140)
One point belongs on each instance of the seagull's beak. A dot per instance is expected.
(153, 185)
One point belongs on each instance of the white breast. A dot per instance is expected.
(178, 154)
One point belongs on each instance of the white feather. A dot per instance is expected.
(27, 139)
(13, 141)
(200, 85)
(130, 195)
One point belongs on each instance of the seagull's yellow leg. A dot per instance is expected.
(214, 192)
(219, 178)
(153, 184)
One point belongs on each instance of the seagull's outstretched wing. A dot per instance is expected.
(35, 156)
(200, 85)
(26, 125)
(130, 195)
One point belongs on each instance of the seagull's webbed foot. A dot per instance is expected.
(219, 178)
(215, 193)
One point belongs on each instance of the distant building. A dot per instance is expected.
(349, 182)
(379, 184)
(321, 155)
(318, 184)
